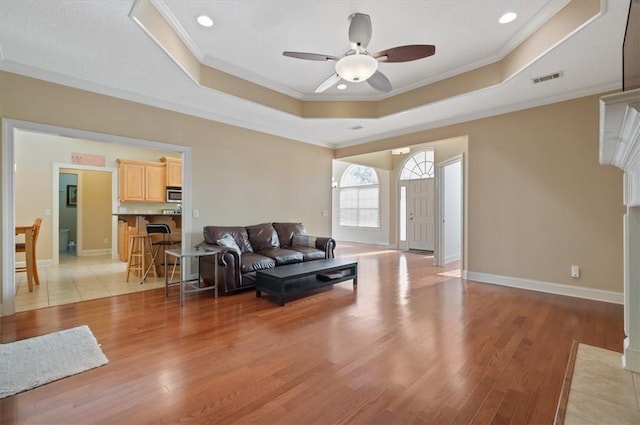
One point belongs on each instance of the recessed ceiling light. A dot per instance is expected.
(341, 86)
(508, 17)
(205, 21)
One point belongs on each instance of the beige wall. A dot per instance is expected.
(538, 200)
(35, 155)
(94, 198)
(239, 176)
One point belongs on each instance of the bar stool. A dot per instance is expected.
(154, 247)
(136, 254)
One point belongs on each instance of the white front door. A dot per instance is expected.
(420, 212)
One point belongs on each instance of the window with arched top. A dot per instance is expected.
(420, 165)
(359, 194)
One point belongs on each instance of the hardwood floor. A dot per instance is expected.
(413, 344)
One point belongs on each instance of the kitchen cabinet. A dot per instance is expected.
(141, 181)
(173, 171)
(155, 186)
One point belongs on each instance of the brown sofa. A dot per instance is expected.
(248, 249)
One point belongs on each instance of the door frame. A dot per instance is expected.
(404, 245)
(55, 215)
(438, 258)
(9, 126)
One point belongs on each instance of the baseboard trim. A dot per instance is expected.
(93, 252)
(41, 263)
(548, 287)
(451, 258)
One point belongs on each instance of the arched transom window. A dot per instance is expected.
(359, 193)
(419, 166)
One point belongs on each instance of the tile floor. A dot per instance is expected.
(602, 392)
(79, 279)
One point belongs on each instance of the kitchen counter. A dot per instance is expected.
(145, 214)
(136, 224)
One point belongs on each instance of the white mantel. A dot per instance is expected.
(620, 146)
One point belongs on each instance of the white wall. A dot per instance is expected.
(379, 236)
(452, 212)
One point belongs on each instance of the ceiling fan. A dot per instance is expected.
(357, 64)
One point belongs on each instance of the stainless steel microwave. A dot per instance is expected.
(174, 194)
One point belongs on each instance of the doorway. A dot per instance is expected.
(417, 202)
(86, 197)
(450, 221)
(45, 207)
(67, 212)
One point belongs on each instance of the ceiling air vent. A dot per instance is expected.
(547, 77)
(356, 127)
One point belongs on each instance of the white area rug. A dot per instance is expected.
(36, 361)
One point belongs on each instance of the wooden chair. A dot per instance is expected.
(31, 263)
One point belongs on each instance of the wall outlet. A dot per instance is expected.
(106, 241)
(325, 213)
(196, 213)
(575, 271)
(47, 212)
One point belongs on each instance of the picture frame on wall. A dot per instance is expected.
(72, 195)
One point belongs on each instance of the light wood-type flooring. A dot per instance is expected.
(413, 344)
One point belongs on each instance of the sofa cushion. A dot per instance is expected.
(304, 240)
(287, 230)
(309, 253)
(239, 234)
(250, 262)
(283, 256)
(263, 236)
(229, 242)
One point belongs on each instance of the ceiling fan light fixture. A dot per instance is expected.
(356, 68)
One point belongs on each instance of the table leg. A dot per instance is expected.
(166, 277)
(182, 279)
(215, 274)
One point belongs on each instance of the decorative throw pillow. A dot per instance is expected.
(228, 242)
(304, 240)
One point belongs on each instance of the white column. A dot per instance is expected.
(631, 355)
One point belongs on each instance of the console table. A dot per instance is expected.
(188, 285)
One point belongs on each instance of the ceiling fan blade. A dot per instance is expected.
(329, 82)
(310, 56)
(406, 53)
(380, 82)
(360, 29)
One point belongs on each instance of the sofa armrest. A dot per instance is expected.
(328, 245)
(229, 259)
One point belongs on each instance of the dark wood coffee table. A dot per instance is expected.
(292, 279)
